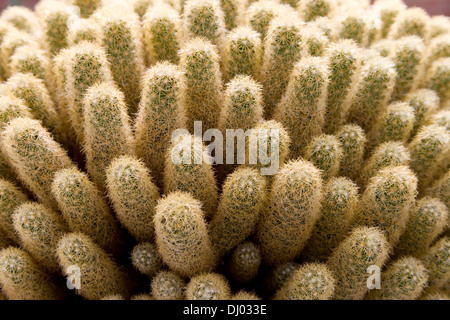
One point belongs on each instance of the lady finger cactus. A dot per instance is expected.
(182, 235)
(410, 22)
(310, 282)
(99, 275)
(339, 205)
(428, 218)
(425, 102)
(441, 189)
(87, 7)
(302, 107)
(404, 279)
(437, 262)
(312, 9)
(437, 48)
(441, 118)
(162, 110)
(325, 152)
(232, 10)
(364, 247)
(244, 295)
(146, 259)
(259, 15)
(353, 25)
(22, 18)
(167, 285)
(295, 199)
(438, 79)
(12, 40)
(10, 198)
(83, 30)
(244, 262)
(31, 59)
(134, 196)
(314, 40)
(39, 230)
(437, 26)
(389, 10)
(353, 143)
(35, 156)
(209, 286)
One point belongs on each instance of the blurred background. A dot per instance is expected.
(433, 7)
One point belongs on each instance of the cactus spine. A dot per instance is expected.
(182, 235)
(87, 7)
(353, 142)
(22, 18)
(312, 9)
(325, 152)
(389, 11)
(10, 198)
(315, 41)
(13, 40)
(244, 295)
(209, 286)
(425, 102)
(437, 262)
(410, 22)
(278, 276)
(259, 15)
(167, 285)
(441, 189)
(353, 25)
(83, 30)
(244, 262)
(441, 118)
(438, 79)
(146, 259)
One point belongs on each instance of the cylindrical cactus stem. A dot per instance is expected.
(391, 153)
(233, 10)
(87, 7)
(203, 94)
(282, 49)
(344, 62)
(167, 285)
(407, 55)
(146, 259)
(260, 13)
(353, 143)
(302, 107)
(204, 18)
(395, 123)
(55, 17)
(142, 6)
(10, 198)
(325, 152)
(441, 189)
(242, 53)
(437, 25)
(31, 59)
(438, 79)
(364, 247)
(23, 19)
(162, 36)
(353, 25)
(84, 209)
(39, 230)
(121, 37)
(35, 156)
(142, 296)
(209, 286)
(387, 200)
(83, 30)
(162, 110)
(12, 107)
(389, 11)
(373, 91)
(5, 27)
(435, 295)
(22, 278)
(12, 40)
(107, 129)
(410, 22)
(244, 262)
(430, 150)
(134, 196)
(310, 10)
(327, 25)
(241, 204)
(182, 235)
(384, 47)
(436, 49)
(311, 281)
(295, 199)
(86, 65)
(427, 220)
(314, 40)
(99, 275)
(440, 118)
(436, 261)
(278, 276)
(425, 102)
(244, 295)
(188, 168)
(339, 205)
(404, 279)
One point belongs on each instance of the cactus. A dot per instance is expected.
(241, 204)
(441, 118)
(133, 195)
(209, 286)
(203, 94)
(10, 198)
(387, 200)
(327, 25)
(87, 7)
(259, 14)
(362, 248)
(83, 30)
(353, 142)
(344, 63)
(437, 262)
(113, 297)
(325, 152)
(5, 27)
(12, 40)
(39, 230)
(339, 205)
(425, 102)
(314, 40)
(107, 129)
(436, 49)
(310, 282)
(384, 47)
(190, 175)
(391, 153)
(410, 22)
(35, 156)
(404, 279)
(302, 107)
(429, 153)
(12, 107)
(312, 9)
(435, 295)
(373, 92)
(142, 296)
(437, 26)
(162, 110)
(84, 209)
(99, 275)
(426, 222)
(146, 259)
(438, 79)
(282, 48)
(167, 285)
(395, 123)
(161, 30)
(22, 278)
(244, 262)
(141, 7)
(121, 37)
(22, 18)
(31, 59)
(279, 276)
(244, 295)
(389, 11)
(295, 199)
(353, 25)
(441, 189)
(232, 10)
(182, 235)
(242, 53)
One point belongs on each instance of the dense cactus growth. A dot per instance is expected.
(11, 197)
(353, 142)
(167, 285)
(325, 152)
(437, 263)
(244, 262)
(209, 286)
(146, 259)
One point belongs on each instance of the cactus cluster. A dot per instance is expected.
(224, 149)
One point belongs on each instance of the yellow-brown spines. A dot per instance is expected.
(244, 262)
(167, 285)
(353, 143)
(436, 261)
(209, 286)
(146, 259)
(10, 198)
(325, 152)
